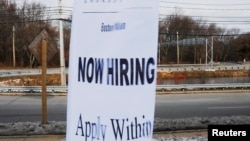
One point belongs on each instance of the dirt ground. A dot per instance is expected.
(31, 80)
(203, 74)
(54, 79)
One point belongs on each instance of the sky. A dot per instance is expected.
(225, 13)
(49, 3)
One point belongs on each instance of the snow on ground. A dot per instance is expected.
(10, 82)
(194, 138)
(166, 125)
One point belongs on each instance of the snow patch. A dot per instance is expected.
(59, 127)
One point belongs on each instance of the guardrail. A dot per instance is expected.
(178, 68)
(160, 68)
(28, 89)
(18, 72)
(64, 89)
(202, 86)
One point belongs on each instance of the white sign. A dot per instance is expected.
(112, 72)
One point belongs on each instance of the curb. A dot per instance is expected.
(33, 138)
(158, 136)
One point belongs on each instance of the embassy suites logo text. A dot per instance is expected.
(103, 1)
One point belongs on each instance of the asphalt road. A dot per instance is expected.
(28, 108)
(202, 105)
(173, 106)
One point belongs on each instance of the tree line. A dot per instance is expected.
(228, 44)
(20, 25)
(23, 23)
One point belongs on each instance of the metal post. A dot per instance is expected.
(195, 56)
(178, 52)
(212, 53)
(159, 53)
(62, 62)
(206, 54)
(13, 43)
(44, 78)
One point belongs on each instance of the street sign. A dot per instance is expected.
(112, 70)
(187, 42)
(35, 46)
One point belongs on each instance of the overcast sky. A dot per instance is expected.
(49, 3)
(226, 13)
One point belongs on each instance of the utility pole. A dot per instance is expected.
(212, 52)
(62, 60)
(159, 53)
(13, 43)
(209, 53)
(206, 54)
(44, 80)
(178, 50)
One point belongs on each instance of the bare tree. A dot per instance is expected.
(33, 21)
(187, 27)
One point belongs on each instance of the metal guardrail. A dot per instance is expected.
(202, 86)
(160, 68)
(64, 89)
(28, 89)
(197, 67)
(6, 73)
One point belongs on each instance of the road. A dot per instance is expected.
(202, 105)
(28, 108)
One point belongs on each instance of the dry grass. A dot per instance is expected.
(31, 80)
(203, 74)
(54, 79)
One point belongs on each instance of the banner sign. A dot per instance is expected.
(112, 72)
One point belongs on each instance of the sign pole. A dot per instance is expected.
(44, 77)
(14, 55)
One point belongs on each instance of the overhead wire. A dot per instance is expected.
(45, 12)
(238, 12)
(217, 9)
(232, 20)
(206, 4)
(52, 13)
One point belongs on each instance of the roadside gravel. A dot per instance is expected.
(192, 129)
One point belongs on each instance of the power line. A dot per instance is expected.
(215, 9)
(220, 20)
(221, 17)
(34, 21)
(214, 21)
(203, 35)
(206, 4)
(192, 20)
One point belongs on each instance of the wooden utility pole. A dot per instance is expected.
(44, 85)
(178, 49)
(13, 48)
